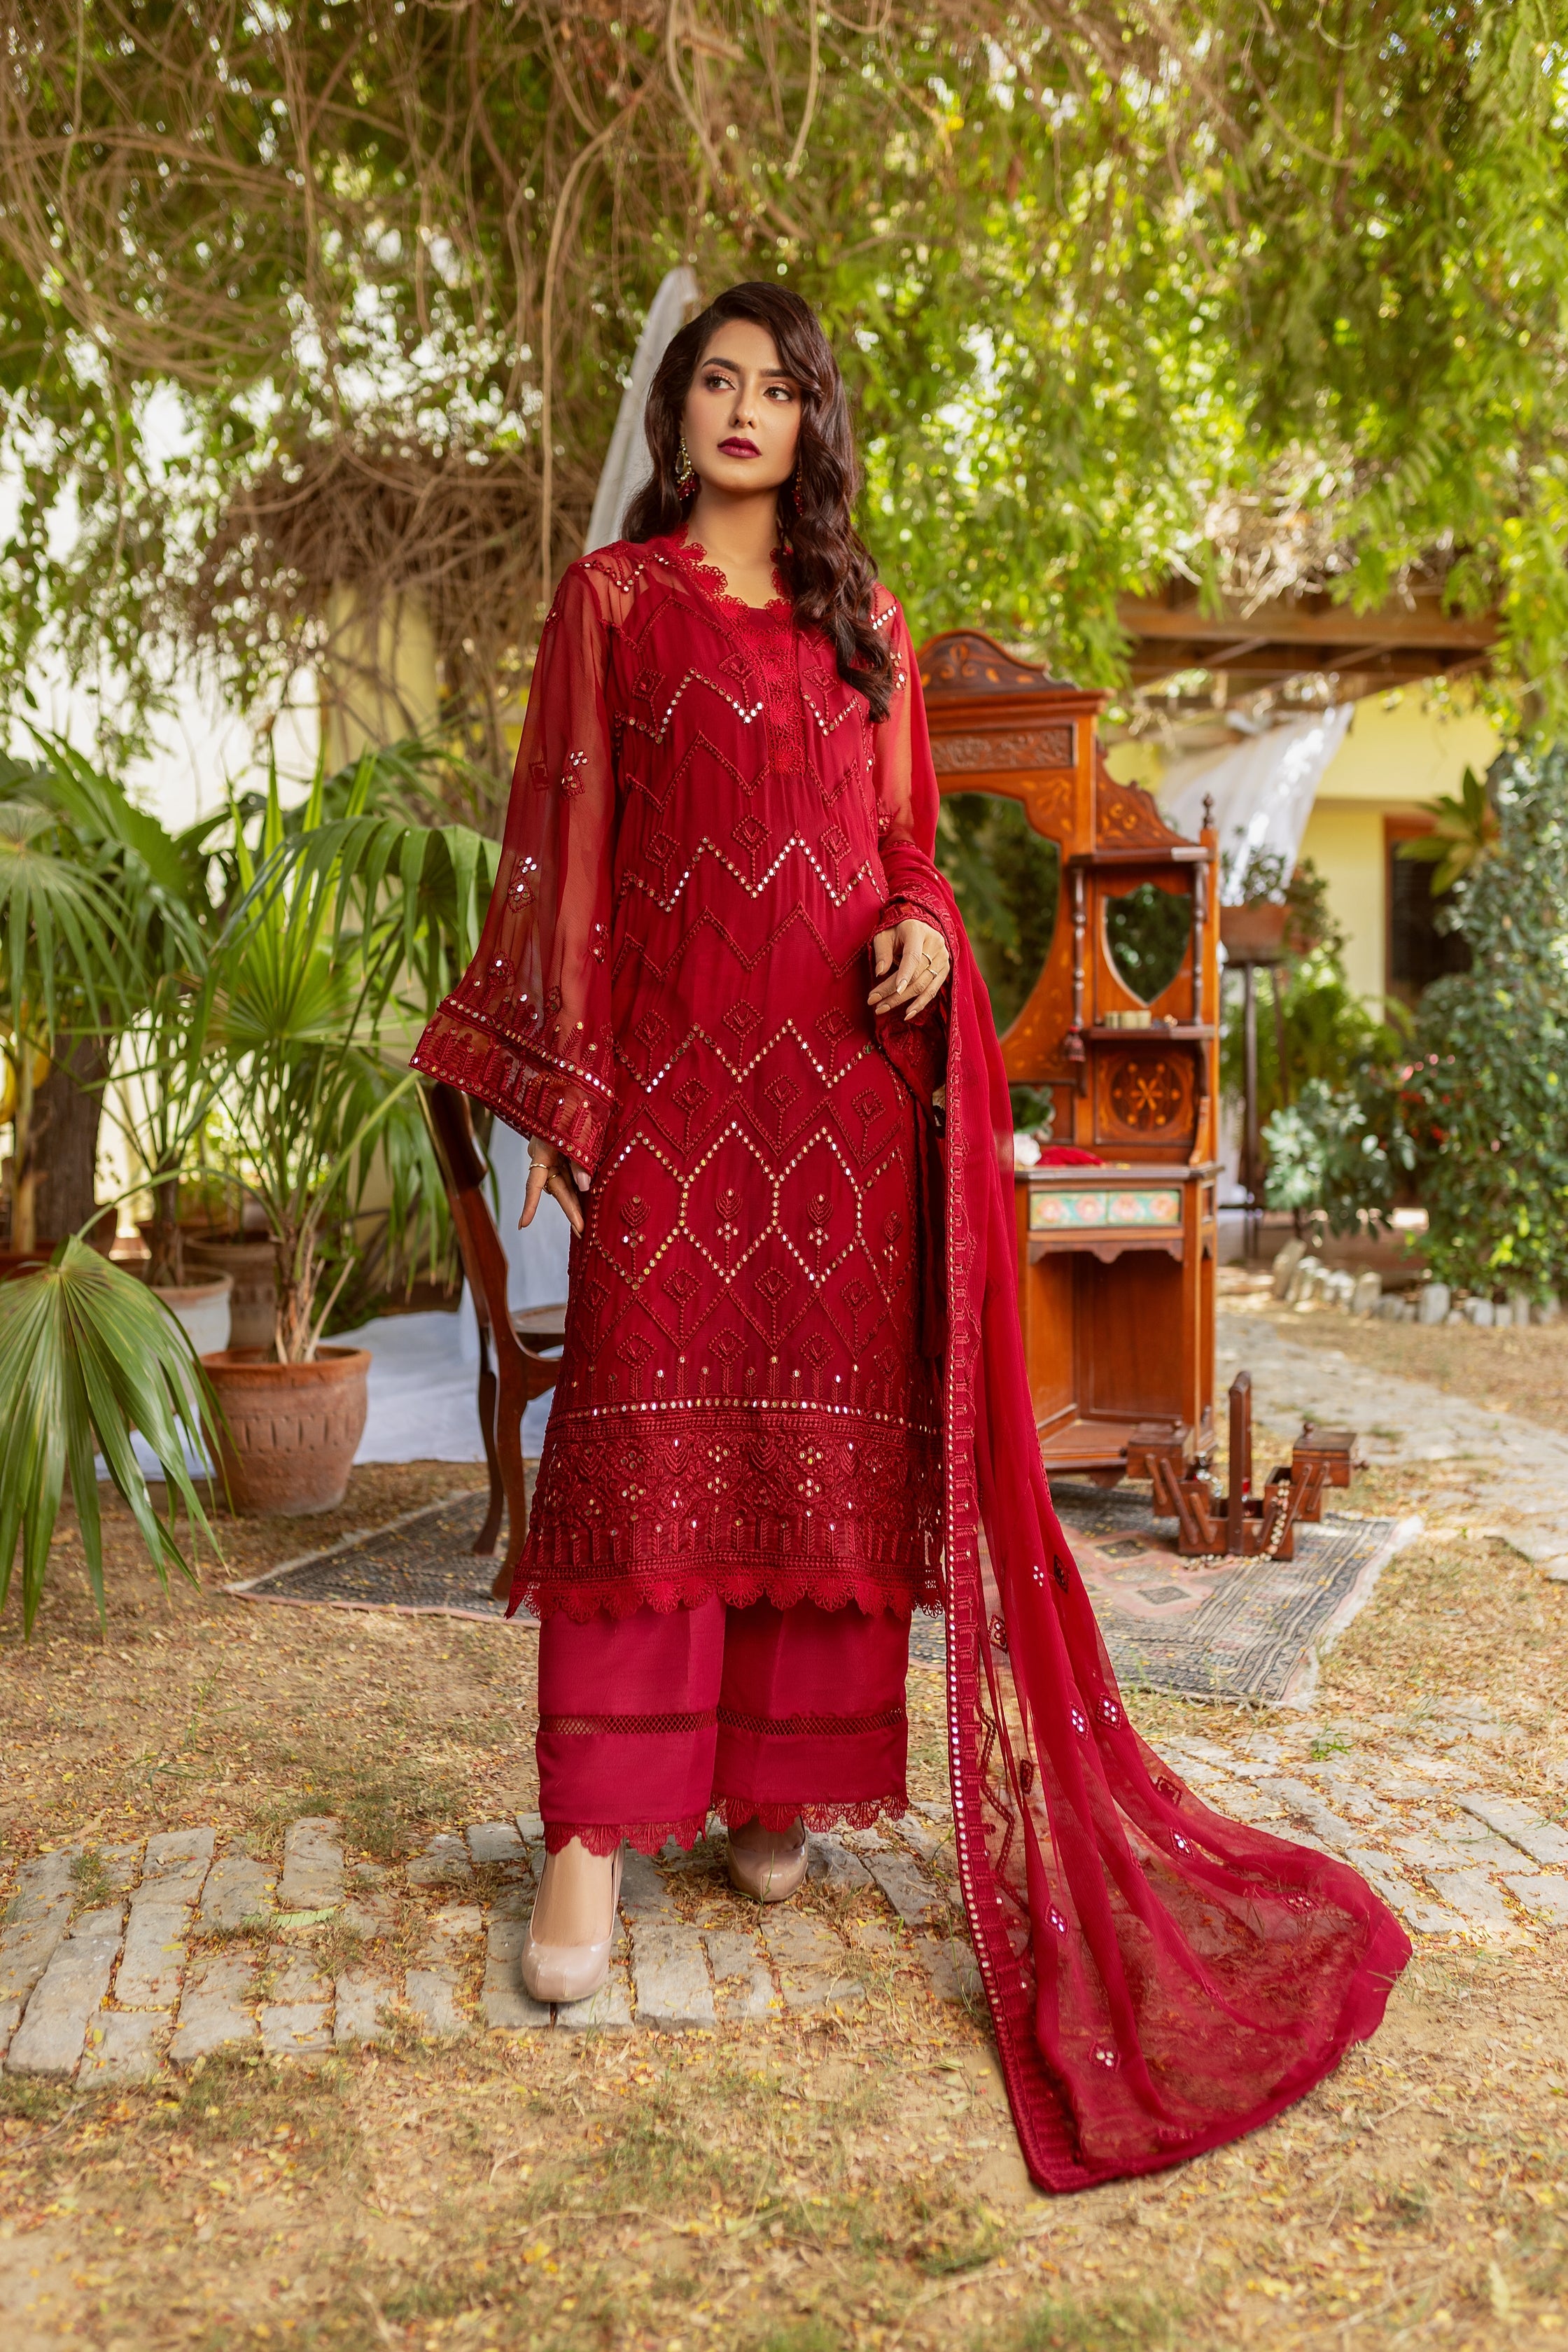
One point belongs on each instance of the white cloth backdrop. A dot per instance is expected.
(628, 466)
(1263, 791)
(423, 1372)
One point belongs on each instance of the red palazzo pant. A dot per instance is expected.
(649, 1722)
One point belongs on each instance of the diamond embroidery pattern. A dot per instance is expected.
(742, 1394)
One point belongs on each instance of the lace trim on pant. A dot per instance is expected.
(654, 1727)
(605, 1837)
(859, 1813)
(649, 1837)
(813, 1726)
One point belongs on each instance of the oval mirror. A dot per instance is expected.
(1146, 935)
(1006, 878)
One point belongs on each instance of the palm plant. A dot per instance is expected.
(108, 916)
(167, 891)
(289, 981)
(59, 966)
(87, 1355)
(345, 927)
(1465, 831)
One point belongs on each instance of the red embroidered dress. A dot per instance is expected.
(671, 985)
(704, 832)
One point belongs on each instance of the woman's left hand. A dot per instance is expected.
(911, 964)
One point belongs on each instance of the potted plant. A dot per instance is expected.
(1253, 929)
(156, 1085)
(162, 1095)
(309, 1036)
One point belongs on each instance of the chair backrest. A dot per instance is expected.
(463, 1172)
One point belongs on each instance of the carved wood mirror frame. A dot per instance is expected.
(1002, 725)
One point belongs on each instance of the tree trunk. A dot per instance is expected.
(62, 1142)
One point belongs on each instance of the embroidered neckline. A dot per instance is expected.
(716, 587)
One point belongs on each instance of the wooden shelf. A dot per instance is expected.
(1121, 1172)
(1085, 1443)
(1183, 1033)
(1178, 852)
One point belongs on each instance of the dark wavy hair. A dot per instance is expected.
(831, 575)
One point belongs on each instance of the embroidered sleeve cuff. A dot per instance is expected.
(907, 910)
(527, 1095)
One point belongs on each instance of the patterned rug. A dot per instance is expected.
(423, 1564)
(1246, 1629)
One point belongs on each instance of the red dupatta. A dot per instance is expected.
(1162, 1980)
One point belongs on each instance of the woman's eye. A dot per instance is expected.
(780, 392)
(716, 384)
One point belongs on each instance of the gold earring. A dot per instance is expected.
(684, 471)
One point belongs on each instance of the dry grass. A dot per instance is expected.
(795, 2188)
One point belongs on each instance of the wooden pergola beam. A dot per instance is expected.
(1405, 640)
(1307, 623)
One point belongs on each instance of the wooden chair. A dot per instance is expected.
(519, 1370)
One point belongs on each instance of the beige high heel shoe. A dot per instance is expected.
(568, 1972)
(772, 1864)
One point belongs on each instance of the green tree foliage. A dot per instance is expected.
(339, 299)
(1464, 832)
(1485, 1097)
(1006, 878)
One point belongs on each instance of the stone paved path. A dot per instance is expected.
(1509, 1477)
(117, 1961)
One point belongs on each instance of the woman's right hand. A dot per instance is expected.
(550, 1170)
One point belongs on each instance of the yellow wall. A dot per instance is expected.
(386, 681)
(1344, 841)
(1398, 753)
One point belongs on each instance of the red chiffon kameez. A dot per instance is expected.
(672, 986)
(793, 1376)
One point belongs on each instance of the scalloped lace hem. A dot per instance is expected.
(650, 1837)
(852, 1813)
(624, 1594)
(607, 1837)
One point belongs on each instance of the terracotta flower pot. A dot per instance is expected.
(200, 1309)
(293, 1429)
(253, 1307)
(1255, 934)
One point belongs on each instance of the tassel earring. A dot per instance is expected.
(794, 485)
(684, 471)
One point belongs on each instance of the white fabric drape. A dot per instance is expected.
(1263, 791)
(628, 466)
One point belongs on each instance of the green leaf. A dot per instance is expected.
(88, 1355)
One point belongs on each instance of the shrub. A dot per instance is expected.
(1485, 1095)
(1340, 1149)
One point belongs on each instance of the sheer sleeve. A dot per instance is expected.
(904, 781)
(528, 1030)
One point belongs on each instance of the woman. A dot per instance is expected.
(793, 1388)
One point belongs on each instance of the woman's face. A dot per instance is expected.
(742, 418)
